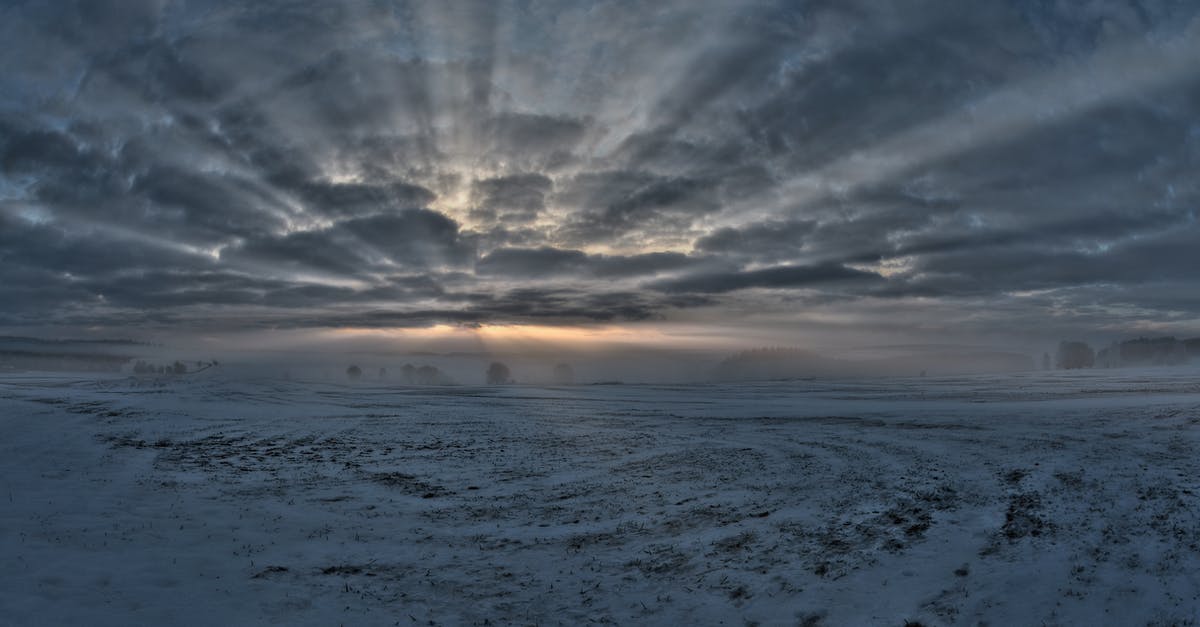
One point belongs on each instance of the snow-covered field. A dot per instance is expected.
(1049, 498)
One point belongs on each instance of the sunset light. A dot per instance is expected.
(626, 312)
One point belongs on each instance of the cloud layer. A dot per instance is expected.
(921, 166)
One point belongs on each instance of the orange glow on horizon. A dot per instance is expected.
(510, 336)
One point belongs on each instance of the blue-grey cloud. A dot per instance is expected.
(550, 262)
(276, 163)
(778, 277)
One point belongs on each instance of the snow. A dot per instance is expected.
(1045, 498)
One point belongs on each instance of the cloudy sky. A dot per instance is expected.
(775, 170)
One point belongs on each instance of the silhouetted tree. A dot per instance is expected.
(382, 373)
(1045, 361)
(429, 375)
(498, 374)
(178, 368)
(1072, 355)
(408, 373)
(354, 373)
(564, 374)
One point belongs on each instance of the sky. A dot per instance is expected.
(692, 172)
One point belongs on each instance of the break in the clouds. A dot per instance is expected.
(923, 165)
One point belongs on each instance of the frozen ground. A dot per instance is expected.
(1057, 499)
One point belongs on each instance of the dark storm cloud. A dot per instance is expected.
(412, 238)
(100, 26)
(30, 151)
(615, 203)
(779, 277)
(769, 240)
(539, 304)
(28, 293)
(513, 198)
(135, 186)
(427, 161)
(327, 251)
(1082, 233)
(47, 271)
(859, 94)
(197, 206)
(501, 236)
(1165, 256)
(157, 70)
(549, 262)
(524, 262)
(165, 289)
(355, 199)
(544, 141)
(83, 250)
(526, 305)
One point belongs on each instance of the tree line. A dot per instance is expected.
(178, 367)
(497, 373)
(1143, 351)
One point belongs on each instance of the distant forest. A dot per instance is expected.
(1143, 351)
(793, 363)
